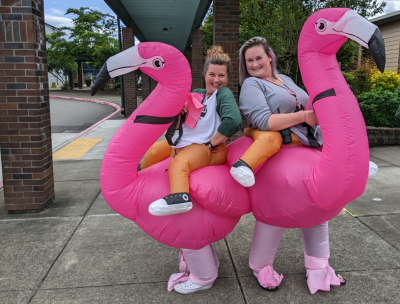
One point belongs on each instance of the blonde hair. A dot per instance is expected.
(216, 55)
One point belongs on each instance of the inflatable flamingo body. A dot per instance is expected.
(130, 192)
(296, 188)
(300, 187)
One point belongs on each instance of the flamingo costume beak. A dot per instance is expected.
(124, 63)
(359, 29)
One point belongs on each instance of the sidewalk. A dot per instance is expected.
(80, 251)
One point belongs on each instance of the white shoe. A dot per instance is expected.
(243, 174)
(189, 287)
(171, 204)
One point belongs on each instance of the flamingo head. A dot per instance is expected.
(160, 61)
(326, 30)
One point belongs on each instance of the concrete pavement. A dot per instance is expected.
(80, 251)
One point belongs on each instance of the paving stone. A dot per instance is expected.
(100, 207)
(389, 154)
(223, 291)
(112, 250)
(72, 170)
(352, 245)
(15, 297)
(380, 286)
(387, 226)
(29, 248)
(72, 198)
(380, 163)
(384, 186)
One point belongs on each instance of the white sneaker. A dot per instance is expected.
(189, 287)
(171, 204)
(243, 174)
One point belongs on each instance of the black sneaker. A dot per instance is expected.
(171, 204)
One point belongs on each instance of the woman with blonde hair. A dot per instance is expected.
(202, 145)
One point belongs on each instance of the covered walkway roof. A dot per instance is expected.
(168, 21)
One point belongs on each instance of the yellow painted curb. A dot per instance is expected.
(349, 212)
(76, 149)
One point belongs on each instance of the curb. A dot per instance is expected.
(110, 104)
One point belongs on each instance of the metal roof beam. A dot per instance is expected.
(120, 11)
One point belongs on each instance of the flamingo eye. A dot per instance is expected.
(158, 63)
(321, 26)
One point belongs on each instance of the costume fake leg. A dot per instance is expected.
(185, 160)
(189, 159)
(316, 245)
(266, 144)
(262, 254)
(159, 151)
(200, 267)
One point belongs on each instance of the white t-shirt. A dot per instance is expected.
(206, 126)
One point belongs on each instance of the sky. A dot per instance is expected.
(55, 9)
(391, 6)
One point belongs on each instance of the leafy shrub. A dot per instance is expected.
(379, 107)
(361, 76)
(348, 77)
(388, 80)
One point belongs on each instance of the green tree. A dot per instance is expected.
(208, 29)
(92, 38)
(59, 56)
(281, 21)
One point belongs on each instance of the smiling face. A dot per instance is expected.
(258, 63)
(216, 77)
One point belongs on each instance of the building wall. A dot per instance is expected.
(49, 30)
(391, 34)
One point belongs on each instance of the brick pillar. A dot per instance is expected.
(153, 84)
(25, 135)
(197, 59)
(188, 54)
(226, 34)
(128, 40)
(145, 86)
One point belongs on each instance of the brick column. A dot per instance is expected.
(128, 40)
(145, 86)
(153, 84)
(25, 135)
(197, 59)
(188, 54)
(226, 34)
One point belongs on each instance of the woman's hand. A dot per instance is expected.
(310, 118)
(184, 110)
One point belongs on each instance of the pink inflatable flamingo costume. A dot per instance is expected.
(301, 187)
(217, 206)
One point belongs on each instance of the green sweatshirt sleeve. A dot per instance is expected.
(228, 111)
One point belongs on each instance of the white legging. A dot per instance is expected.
(266, 240)
(202, 265)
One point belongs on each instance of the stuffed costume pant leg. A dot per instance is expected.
(199, 266)
(159, 151)
(316, 246)
(202, 264)
(190, 158)
(266, 144)
(265, 243)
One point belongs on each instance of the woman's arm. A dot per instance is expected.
(255, 107)
(218, 138)
(228, 111)
(278, 122)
